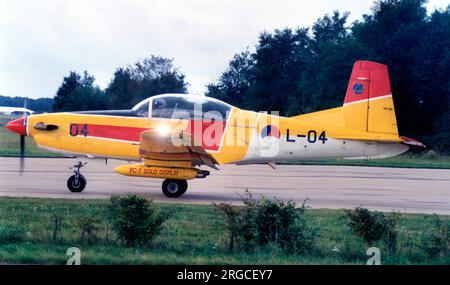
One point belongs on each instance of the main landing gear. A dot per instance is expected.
(173, 188)
(76, 183)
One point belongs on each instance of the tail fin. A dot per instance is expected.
(368, 104)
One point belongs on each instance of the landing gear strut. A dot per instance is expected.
(76, 183)
(173, 188)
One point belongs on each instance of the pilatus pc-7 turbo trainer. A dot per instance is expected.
(170, 135)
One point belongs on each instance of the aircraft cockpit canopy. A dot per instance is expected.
(183, 106)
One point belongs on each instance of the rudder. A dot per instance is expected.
(368, 104)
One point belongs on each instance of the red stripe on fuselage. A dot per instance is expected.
(207, 134)
(116, 132)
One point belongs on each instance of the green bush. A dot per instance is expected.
(284, 224)
(373, 226)
(263, 222)
(11, 235)
(135, 220)
(231, 216)
(88, 227)
(436, 239)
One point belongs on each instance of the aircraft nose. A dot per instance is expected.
(18, 126)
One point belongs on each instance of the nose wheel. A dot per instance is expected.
(77, 182)
(173, 188)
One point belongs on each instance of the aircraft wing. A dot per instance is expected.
(174, 148)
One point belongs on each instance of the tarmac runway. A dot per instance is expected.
(384, 189)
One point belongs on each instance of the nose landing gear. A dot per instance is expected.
(77, 182)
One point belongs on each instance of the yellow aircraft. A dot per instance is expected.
(170, 135)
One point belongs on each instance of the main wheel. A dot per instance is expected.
(174, 188)
(76, 185)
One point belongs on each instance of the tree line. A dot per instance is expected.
(129, 85)
(40, 105)
(296, 71)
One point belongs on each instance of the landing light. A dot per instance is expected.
(163, 129)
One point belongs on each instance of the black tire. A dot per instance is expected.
(74, 186)
(174, 188)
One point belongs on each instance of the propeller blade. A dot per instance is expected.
(22, 142)
(22, 154)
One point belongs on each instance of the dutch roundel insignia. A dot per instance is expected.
(270, 131)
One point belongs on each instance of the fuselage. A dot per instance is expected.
(242, 137)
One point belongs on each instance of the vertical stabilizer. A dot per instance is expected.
(368, 104)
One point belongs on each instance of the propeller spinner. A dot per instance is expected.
(19, 126)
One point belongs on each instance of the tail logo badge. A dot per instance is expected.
(270, 131)
(358, 89)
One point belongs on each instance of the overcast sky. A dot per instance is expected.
(41, 41)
